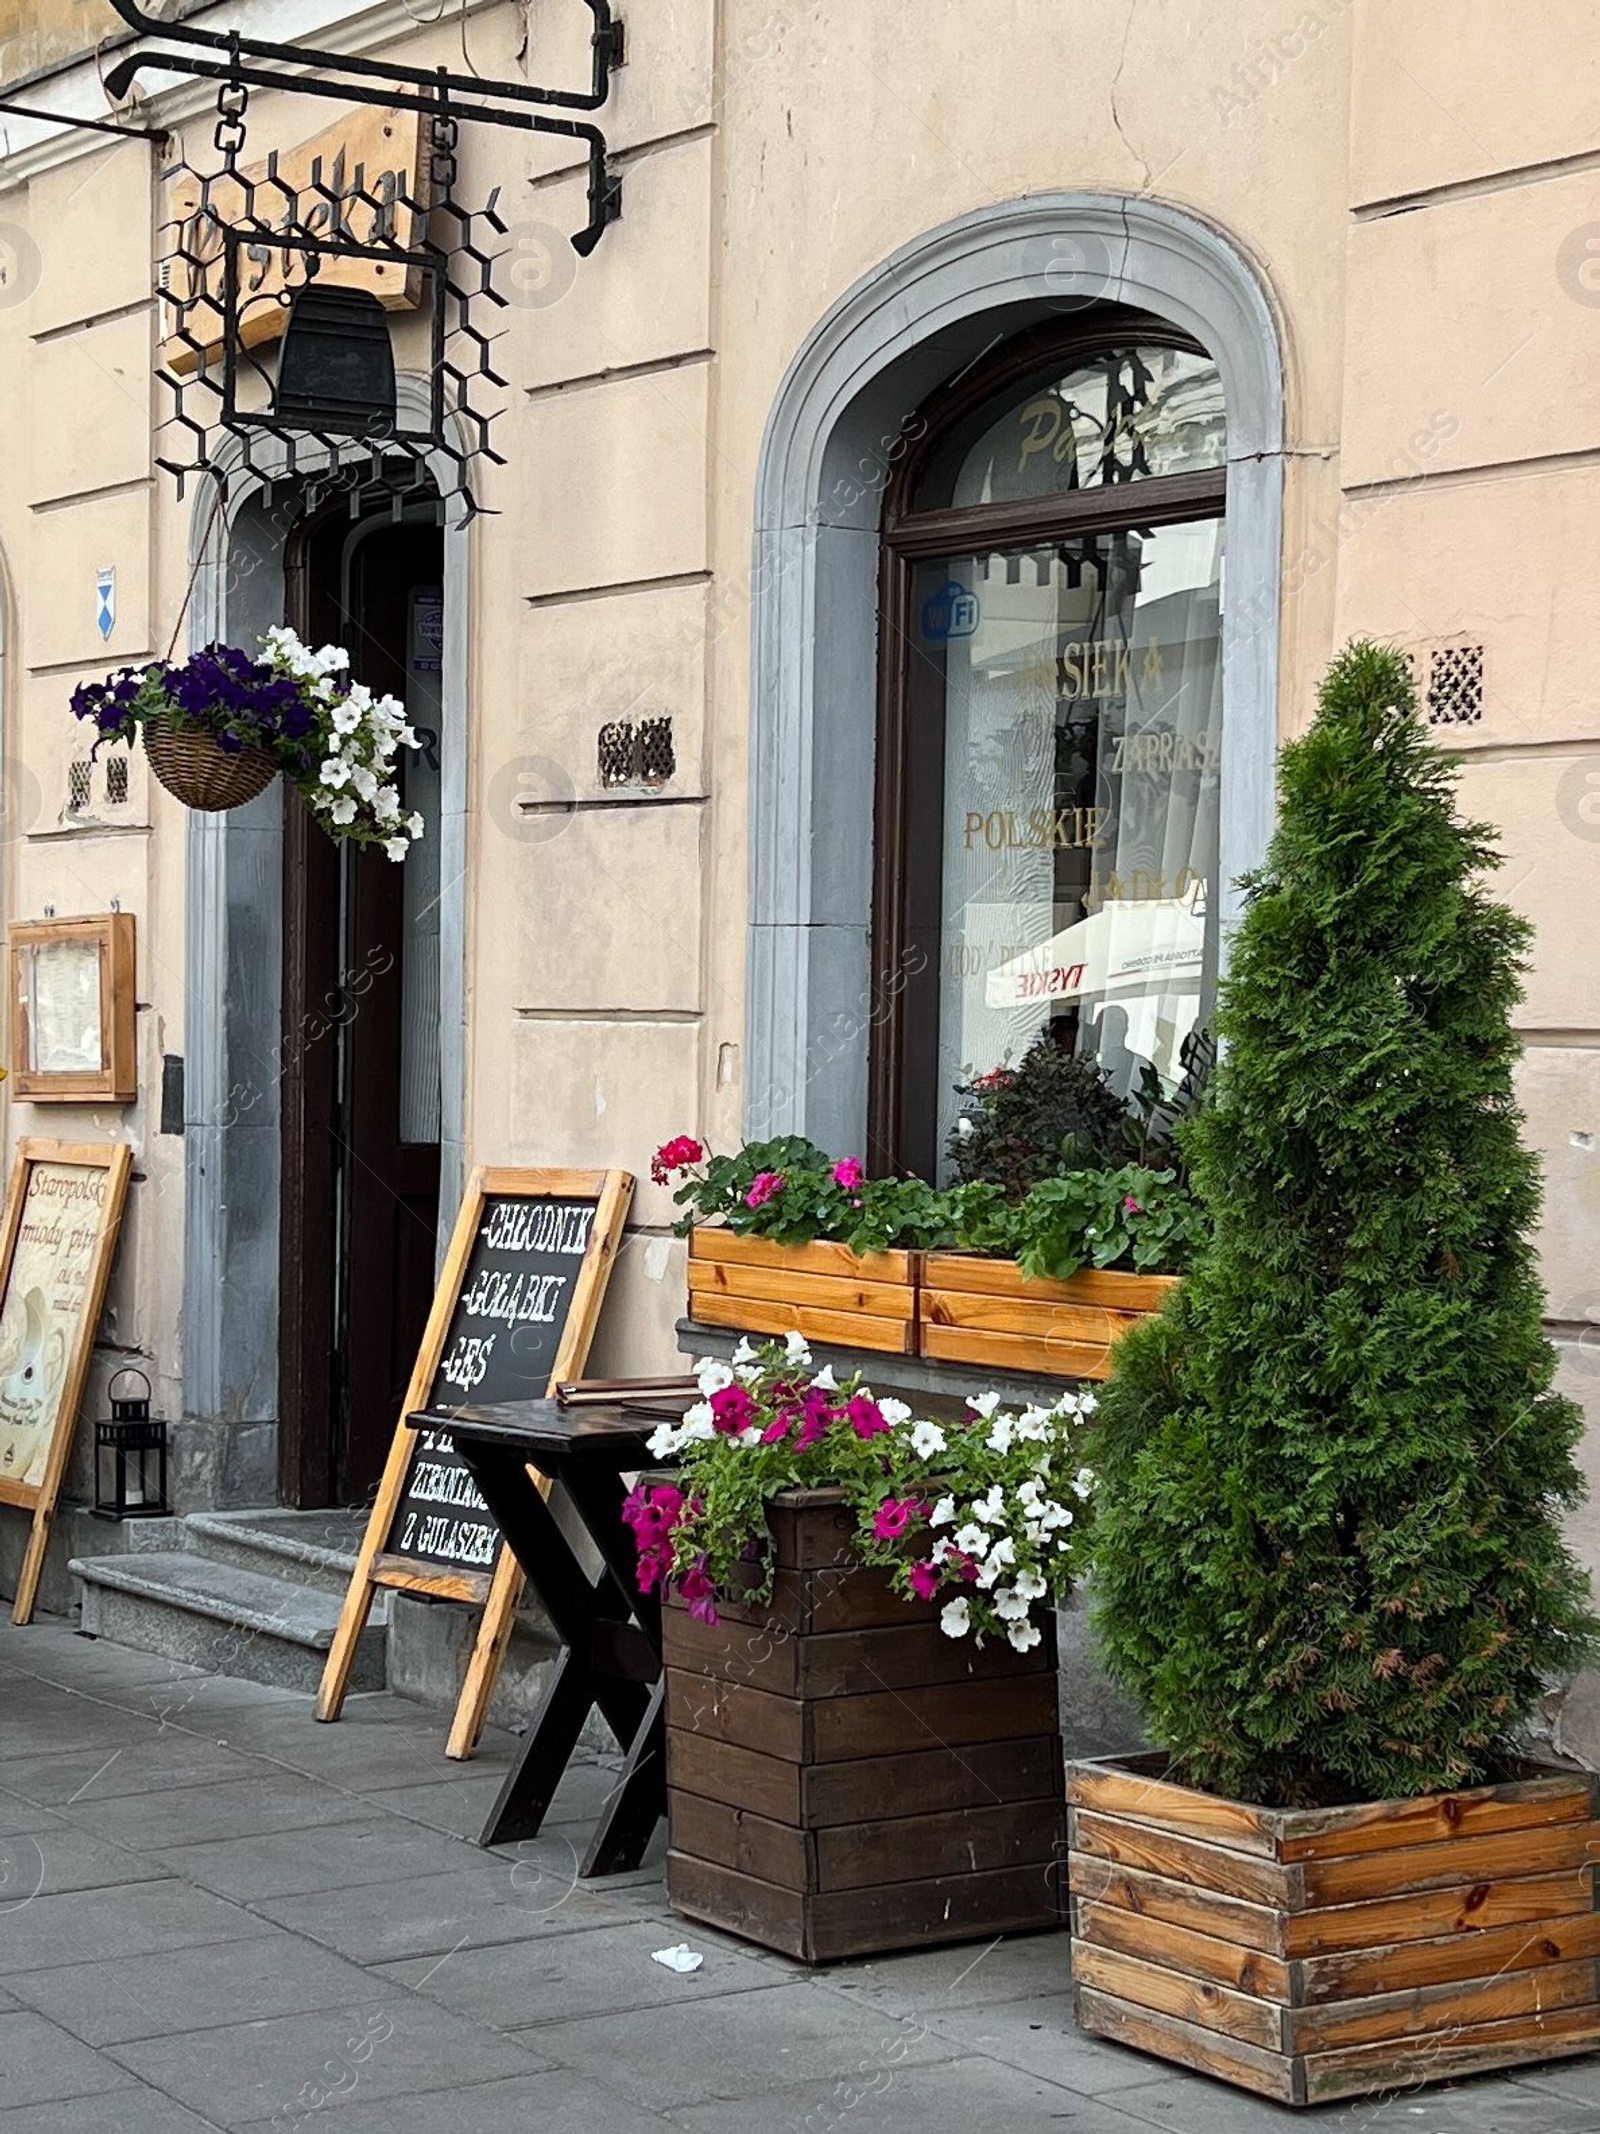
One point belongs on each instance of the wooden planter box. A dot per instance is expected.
(1323, 1953)
(826, 1292)
(843, 1778)
(988, 1312)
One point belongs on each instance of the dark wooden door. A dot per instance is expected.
(360, 1182)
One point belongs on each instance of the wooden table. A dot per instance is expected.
(610, 1632)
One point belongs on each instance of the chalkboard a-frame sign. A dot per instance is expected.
(514, 1314)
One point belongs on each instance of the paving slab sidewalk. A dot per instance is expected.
(216, 1915)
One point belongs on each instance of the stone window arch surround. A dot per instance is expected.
(908, 325)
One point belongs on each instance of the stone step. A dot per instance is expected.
(219, 1617)
(309, 1549)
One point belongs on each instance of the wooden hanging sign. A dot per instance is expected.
(515, 1312)
(63, 1212)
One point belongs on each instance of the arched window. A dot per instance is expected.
(1050, 721)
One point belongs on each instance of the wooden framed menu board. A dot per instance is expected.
(63, 1212)
(514, 1315)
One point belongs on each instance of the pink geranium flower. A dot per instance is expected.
(849, 1174)
(675, 1155)
(765, 1186)
(1131, 1205)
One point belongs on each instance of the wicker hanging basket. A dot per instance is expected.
(195, 770)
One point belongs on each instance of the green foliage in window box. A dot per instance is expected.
(1130, 1218)
(1329, 1559)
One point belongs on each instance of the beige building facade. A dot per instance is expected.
(1382, 227)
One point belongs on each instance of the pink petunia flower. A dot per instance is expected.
(865, 1417)
(732, 1410)
(699, 1594)
(815, 1416)
(894, 1515)
(765, 1186)
(926, 1579)
(849, 1174)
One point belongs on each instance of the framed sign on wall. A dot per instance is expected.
(63, 1212)
(72, 1010)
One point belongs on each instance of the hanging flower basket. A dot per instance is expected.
(196, 769)
(218, 728)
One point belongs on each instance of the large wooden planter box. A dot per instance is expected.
(844, 1778)
(826, 1292)
(980, 1311)
(1323, 1953)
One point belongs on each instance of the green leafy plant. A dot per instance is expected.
(1145, 1220)
(991, 1513)
(1329, 1559)
(1054, 1111)
(793, 1192)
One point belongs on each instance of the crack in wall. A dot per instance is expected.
(1116, 83)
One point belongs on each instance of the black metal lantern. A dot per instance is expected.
(336, 372)
(130, 1455)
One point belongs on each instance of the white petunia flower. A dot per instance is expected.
(943, 1512)
(894, 1412)
(1023, 1636)
(1030, 1586)
(712, 1376)
(984, 1404)
(386, 803)
(1004, 1430)
(335, 772)
(991, 1506)
(744, 1350)
(795, 1349)
(956, 1619)
(1010, 1605)
(825, 1382)
(342, 811)
(345, 718)
(414, 824)
(664, 1441)
(697, 1426)
(750, 1436)
(397, 847)
(971, 1540)
(927, 1440)
(365, 784)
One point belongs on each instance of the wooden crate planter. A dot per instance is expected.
(1324, 1953)
(826, 1292)
(843, 1778)
(988, 1312)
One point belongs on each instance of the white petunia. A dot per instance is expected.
(1010, 1605)
(984, 1404)
(894, 1412)
(956, 1619)
(366, 784)
(825, 1382)
(991, 1506)
(927, 1440)
(943, 1512)
(414, 824)
(344, 716)
(750, 1436)
(342, 811)
(1023, 1636)
(386, 803)
(697, 1426)
(1030, 1586)
(712, 1376)
(335, 772)
(744, 1350)
(1001, 1435)
(795, 1349)
(971, 1540)
(1087, 1404)
(664, 1441)
(397, 847)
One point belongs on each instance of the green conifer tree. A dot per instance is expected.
(1329, 1558)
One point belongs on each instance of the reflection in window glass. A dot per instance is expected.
(1121, 415)
(1079, 688)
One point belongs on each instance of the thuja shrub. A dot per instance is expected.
(1330, 1562)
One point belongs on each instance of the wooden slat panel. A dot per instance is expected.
(1004, 1278)
(1155, 1897)
(708, 1243)
(1421, 1867)
(1176, 1948)
(1451, 2006)
(742, 1778)
(1211, 1867)
(729, 1711)
(932, 1780)
(1113, 1789)
(849, 1330)
(968, 1841)
(1039, 1321)
(841, 1664)
(730, 1650)
(947, 1715)
(732, 1837)
(1422, 1915)
(1268, 2074)
(739, 1904)
(1177, 1993)
(1402, 1965)
(907, 1915)
(1556, 2034)
(786, 1285)
(1015, 1352)
(1437, 1818)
